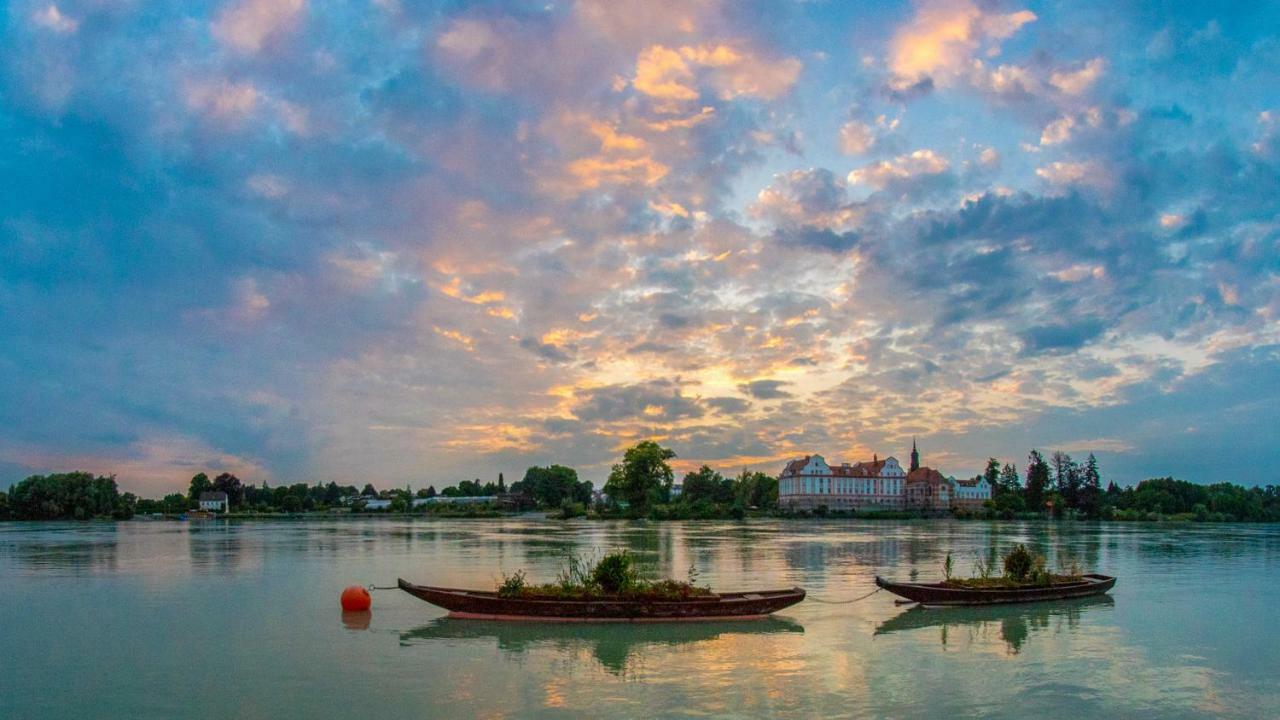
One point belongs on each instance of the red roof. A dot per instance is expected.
(925, 475)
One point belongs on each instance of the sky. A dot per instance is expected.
(413, 243)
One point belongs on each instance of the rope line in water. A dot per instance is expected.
(384, 587)
(843, 602)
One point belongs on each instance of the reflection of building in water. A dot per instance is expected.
(809, 482)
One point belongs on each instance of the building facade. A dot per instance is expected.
(809, 482)
(215, 501)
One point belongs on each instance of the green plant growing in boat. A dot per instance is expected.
(611, 575)
(947, 566)
(1022, 568)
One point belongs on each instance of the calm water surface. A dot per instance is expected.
(241, 620)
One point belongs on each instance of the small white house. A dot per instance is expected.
(215, 501)
(376, 504)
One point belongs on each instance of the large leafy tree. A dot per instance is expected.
(758, 490)
(76, 495)
(199, 484)
(552, 486)
(643, 478)
(231, 485)
(707, 484)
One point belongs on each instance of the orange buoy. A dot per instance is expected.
(356, 599)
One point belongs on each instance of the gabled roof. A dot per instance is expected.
(795, 466)
(926, 475)
(216, 495)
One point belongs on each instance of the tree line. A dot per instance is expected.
(643, 485)
(1061, 486)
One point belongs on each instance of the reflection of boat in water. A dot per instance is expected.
(1015, 621)
(489, 605)
(945, 594)
(612, 644)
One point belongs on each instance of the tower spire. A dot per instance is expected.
(915, 455)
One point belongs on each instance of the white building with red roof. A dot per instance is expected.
(809, 482)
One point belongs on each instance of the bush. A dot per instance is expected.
(615, 573)
(1019, 562)
(570, 509)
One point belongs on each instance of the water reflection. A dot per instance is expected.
(614, 645)
(1015, 622)
(356, 619)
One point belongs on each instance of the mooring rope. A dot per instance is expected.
(384, 587)
(843, 602)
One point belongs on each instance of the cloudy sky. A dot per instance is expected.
(412, 242)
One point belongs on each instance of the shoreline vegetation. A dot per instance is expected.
(642, 487)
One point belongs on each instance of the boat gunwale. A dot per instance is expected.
(717, 598)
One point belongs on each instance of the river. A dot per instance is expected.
(217, 619)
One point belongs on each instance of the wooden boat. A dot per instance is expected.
(477, 604)
(942, 594)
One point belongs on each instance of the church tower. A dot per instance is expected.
(915, 456)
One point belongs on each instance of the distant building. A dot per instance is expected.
(676, 490)
(928, 489)
(810, 482)
(459, 500)
(971, 493)
(373, 503)
(214, 501)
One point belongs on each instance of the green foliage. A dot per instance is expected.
(551, 486)
(1019, 563)
(570, 509)
(947, 567)
(615, 573)
(708, 485)
(1037, 481)
(199, 484)
(643, 478)
(69, 496)
(513, 585)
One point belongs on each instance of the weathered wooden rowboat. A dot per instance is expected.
(942, 594)
(484, 605)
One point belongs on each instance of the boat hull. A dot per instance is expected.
(939, 594)
(473, 604)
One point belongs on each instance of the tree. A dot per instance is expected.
(1009, 481)
(758, 490)
(65, 496)
(1066, 475)
(1091, 492)
(1037, 481)
(643, 478)
(707, 484)
(431, 491)
(230, 484)
(992, 473)
(173, 504)
(368, 491)
(552, 486)
(199, 484)
(502, 485)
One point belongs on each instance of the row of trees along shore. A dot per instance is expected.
(641, 485)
